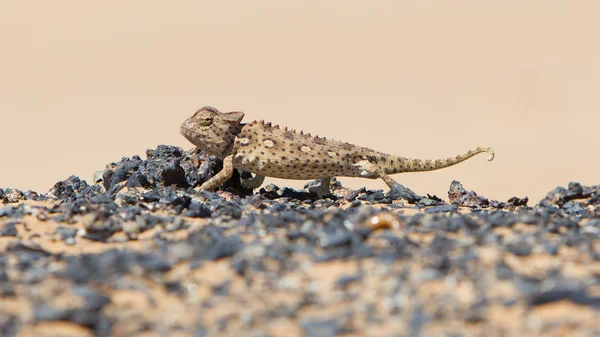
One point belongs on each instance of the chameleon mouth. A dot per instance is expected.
(186, 133)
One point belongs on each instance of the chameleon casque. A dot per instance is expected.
(268, 150)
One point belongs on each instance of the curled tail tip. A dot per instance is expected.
(491, 153)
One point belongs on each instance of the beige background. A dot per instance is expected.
(85, 84)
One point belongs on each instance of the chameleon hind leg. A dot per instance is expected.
(323, 189)
(253, 182)
(372, 171)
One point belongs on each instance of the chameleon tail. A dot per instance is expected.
(401, 164)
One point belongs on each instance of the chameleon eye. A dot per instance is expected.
(206, 120)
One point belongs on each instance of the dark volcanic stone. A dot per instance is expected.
(229, 209)
(374, 197)
(270, 191)
(65, 232)
(520, 248)
(443, 208)
(518, 201)
(352, 194)
(164, 166)
(459, 196)
(197, 210)
(345, 281)
(88, 314)
(28, 251)
(93, 300)
(9, 229)
(320, 328)
(477, 311)
(68, 190)
(430, 201)
(294, 194)
(9, 325)
(560, 195)
(578, 296)
(211, 245)
(7, 211)
(100, 268)
(174, 174)
(11, 195)
(151, 196)
(171, 198)
(138, 179)
(398, 192)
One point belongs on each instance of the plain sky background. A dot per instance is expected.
(83, 84)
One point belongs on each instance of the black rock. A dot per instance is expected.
(197, 210)
(152, 196)
(345, 281)
(211, 245)
(518, 201)
(68, 190)
(375, 196)
(111, 264)
(578, 296)
(352, 194)
(477, 311)
(139, 179)
(65, 232)
(520, 248)
(29, 251)
(88, 314)
(174, 174)
(270, 191)
(229, 209)
(295, 194)
(444, 208)
(398, 192)
(9, 229)
(459, 196)
(430, 201)
(320, 328)
(92, 299)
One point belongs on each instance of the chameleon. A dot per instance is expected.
(265, 149)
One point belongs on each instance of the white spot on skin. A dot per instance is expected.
(244, 141)
(332, 154)
(305, 148)
(269, 143)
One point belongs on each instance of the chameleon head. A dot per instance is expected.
(212, 131)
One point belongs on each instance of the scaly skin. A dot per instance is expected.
(268, 150)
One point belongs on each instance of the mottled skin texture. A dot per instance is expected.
(268, 150)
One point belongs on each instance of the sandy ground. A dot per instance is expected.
(295, 295)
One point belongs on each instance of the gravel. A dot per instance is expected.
(141, 250)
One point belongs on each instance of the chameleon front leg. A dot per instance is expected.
(221, 177)
(254, 182)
